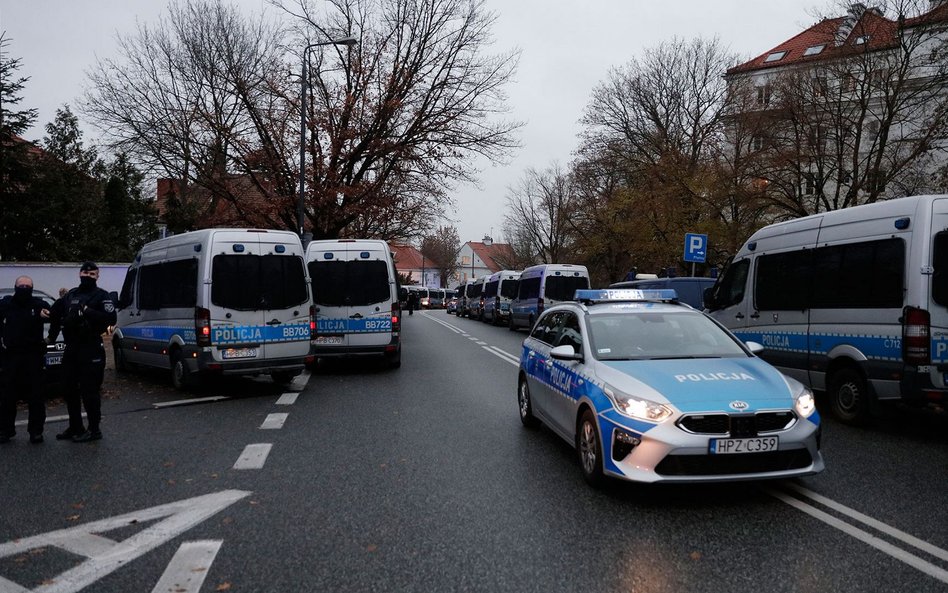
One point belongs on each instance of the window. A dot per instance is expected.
(783, 281)
(168, 284)
(876, 181)
(490, 289)
(338, 283)
(729, 290)
(547, 327)
(869, 274)
(508, 288)
(757, 143)
(126, 298)
(570, 334)
(775, 56)
(763, 95)
(940, 264)
(253, 282)
(563, 288)
(529, 289)
(808, 186)
(861, 40)
(814, 50)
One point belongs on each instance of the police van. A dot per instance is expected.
(853, 302)
(216, 301)
(543, 286)
(475, 297)
(355, 299)
(499, 292)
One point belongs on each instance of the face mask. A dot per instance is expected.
(22, 294)
(86, 282)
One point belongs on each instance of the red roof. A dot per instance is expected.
(406, 257)
(882, 33)
(487, 253)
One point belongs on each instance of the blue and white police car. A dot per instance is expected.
(650, 390)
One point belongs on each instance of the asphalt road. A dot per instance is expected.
(423, 479)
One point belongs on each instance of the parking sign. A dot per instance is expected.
(696, 248)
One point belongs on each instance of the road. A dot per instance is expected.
(423, 479)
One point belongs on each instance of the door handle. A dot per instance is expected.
(274, 322)
(755, 315)
(356, 316)
(739, 316)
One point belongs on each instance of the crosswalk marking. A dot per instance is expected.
(274, 421)
(254, 456)
(188, 568)
(287, 399)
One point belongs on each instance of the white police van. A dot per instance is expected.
(355, 299)
(543, 286)
(499, 291)
(853, 302)
(216, 301)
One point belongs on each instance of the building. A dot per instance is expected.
(478, 258)
(410, 263)
(850, 110)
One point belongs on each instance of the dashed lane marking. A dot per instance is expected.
(502, 355)
(254, 456)
(287, 399)
(274, 421)
(299, 382)
(188, 402)
(189, 567)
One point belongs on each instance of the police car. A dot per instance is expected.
(650, 390)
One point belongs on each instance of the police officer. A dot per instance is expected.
(23, 353)
(83, 314)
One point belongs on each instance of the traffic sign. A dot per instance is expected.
(696, 248)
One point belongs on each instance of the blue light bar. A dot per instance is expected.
(625, 295)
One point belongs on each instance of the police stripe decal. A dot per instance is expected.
(223, 335)
(353, 326)
(875, 347)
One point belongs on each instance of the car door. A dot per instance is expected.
(541, 365)
(327, 271)
(564, 373)
(369, 295)
(285, 300)
(237, 316)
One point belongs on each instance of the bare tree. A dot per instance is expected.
(442, 249)
(538, 215)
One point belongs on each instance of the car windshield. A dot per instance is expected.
(563, 288)
(659, 335)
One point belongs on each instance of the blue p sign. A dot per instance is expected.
(696, 248)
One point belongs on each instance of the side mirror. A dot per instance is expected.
(754, 347)
(565, 352)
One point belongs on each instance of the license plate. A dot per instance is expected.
(328, 340)
(749, 445)
(239, 353)
(54, 359)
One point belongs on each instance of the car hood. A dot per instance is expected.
(709, 384)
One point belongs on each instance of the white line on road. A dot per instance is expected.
(274, 421)
(188, 568)
(287, 399)
(455, 329)
(188, 402)
(503, 356)
(508, 354)
(886, 529)
(254, 456)
(49, 419)
(481, 343)
(877, 543)
(299, 382)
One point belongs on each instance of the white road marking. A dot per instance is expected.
(188, 402)
(254, 456)
(287, 399)
(481, 343)
(501, 355)
(865, 537)
(188, 568)
(865, 519)
(473, 338)
(453, 328)
(103, 558)
(507, 354)
(274, 421)
(48, 419)
(299, 382)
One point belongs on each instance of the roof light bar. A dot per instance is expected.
(625, 295)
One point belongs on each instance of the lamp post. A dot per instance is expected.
(300, 206)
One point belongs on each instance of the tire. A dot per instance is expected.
(849, 397)
(589, 449)
(182, 378)
(395, 361)
(121, 365)
(525, 404)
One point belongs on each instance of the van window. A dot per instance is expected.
(349, 283)
(508, 288)
(940, 275)
(490, 289)
(563, 288)
(128, 292)
(783, 281)
(251, 282)
(729, 290)
(868, 274)
(529, 288)
(168, 284)
(475, 291)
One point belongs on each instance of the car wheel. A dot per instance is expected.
(849, 397)
(589, 449)
(182, 378)
(526, 405)
(395, 361)
(118, 354)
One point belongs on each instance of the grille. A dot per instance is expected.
(745, 463)
(737, 425)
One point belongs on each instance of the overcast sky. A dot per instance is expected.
(568, 47)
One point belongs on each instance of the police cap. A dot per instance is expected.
(88, 266)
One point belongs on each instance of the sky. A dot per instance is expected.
(567, 48)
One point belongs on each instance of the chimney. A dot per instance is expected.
(488, 241)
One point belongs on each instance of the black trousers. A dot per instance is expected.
(83, 371)
(23, 379)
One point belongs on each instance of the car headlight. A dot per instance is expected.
(805, 403)
(636, 407)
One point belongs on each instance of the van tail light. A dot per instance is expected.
(312, 322)
(916, 332)
(202, 326)
(396, 316)
(539, 306)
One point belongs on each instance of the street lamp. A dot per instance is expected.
(300, 206)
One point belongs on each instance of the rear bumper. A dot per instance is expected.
(204, 362)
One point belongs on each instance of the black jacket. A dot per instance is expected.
(21, 326)
(83, 315)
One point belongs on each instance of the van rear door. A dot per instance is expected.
(285, 297)
(328, 267)
(370, 292)
(938, 308)
(236, 312)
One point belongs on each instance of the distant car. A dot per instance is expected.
(54, 352)
(650, 390)
(453, 305)
(689, 290)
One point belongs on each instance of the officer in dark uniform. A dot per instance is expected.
(84, 314)
(23, 354)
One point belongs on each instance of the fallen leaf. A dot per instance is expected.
(199, 569)
(696, 555)
(73, 517)
(371, 548)
(227, 520)
(79, 505)
(168, 464)
(225, 586)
